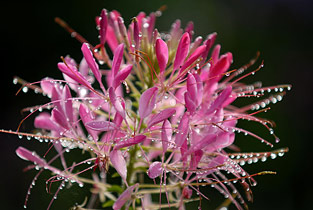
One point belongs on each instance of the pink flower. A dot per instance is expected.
(166, 112)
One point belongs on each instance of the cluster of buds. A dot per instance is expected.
(164, 113)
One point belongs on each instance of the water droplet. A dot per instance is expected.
(28, 137)
(15, 80)
(25, 89)
(271, 131)
(146, 25)
(277, 140)
(263, 159)
(73, 34)
(25, 206)
(20, 136)
(280, 154)
(273, 155)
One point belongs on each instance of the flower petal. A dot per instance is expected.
(87, 116)
(182, 51)
(121, 76)
(119, 163)
(220, 100)
(129, 142)
(124, 197)
(117, 59)
(161, 52)
(147, 102)
(99, 125)
(193, 57)
(103, 26)
(91, 62)
(161, 116)
(155, 169)
(183, 128)
(166, 134)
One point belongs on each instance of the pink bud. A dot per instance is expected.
(103, 26)
(182, 51)
(161, 54)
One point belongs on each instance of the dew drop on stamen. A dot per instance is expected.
(273, 156)
(73, 34)
(25, 89)
(263, 159)
(28, 137)
(20, 136)
(25, 206)
(15, 80)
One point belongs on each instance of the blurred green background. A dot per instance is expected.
(281, 30)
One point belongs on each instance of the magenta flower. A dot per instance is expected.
(160, 109)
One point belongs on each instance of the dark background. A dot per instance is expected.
(31, 46)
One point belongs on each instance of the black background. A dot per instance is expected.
(31, 45)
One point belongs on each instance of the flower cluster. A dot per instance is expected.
(160, 109)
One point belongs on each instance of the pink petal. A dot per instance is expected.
(205, 141)
(111, 38)
(151, 24)
(117, 59)
(129, 142)
(68, 105)
(216, 54)
(161, 116)
(119, 163)
(155, 169)
(190, 103)
(183, 128)
(25, 154)
(91, 62)
(147, 102)
(59, 118)
(161, 51)
(166, 135)
(124, 197)
(223, 140)
(72, 72)
(189, 28)
(220, 67)
(193, 57)
(100, 125)
(87, 116)
(121, 76)
(192, 86)
(199, 89)
(117, 103)
(208, 42)
(43, 120)
(33, 157)
(136, 33)
(47, 85)
(182, 51)
(103, 26)
(220, 100)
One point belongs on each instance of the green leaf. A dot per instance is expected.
(115, 188)
(109, 203)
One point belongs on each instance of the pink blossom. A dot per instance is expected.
(165, 116)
